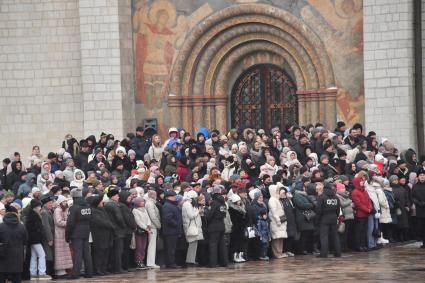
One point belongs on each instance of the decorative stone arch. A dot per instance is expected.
(200, 74)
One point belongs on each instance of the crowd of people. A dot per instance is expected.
(97, 207)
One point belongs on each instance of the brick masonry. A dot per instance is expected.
(40, 74)
(65, 67)
(389, 70)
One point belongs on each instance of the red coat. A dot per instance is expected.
(182, 171)
(361, 199)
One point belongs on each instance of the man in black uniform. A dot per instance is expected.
(215, 220)
(113, 209)
(327, 210)
(77, 232)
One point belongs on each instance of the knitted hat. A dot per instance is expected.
(392, 178)
(191, 195)
(253, 193)
(76, 193)
(131, 152)
(60, 200)
(323, 157)
(35, 190)
(235, 198)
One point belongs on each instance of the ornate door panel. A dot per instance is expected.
(263, 97)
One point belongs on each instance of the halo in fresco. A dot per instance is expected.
(346, 8)
(163, 5)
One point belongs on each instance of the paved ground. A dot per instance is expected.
(403, 263)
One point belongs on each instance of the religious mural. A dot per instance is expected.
(160, 27)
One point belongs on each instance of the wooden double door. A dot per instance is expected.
(263, 97)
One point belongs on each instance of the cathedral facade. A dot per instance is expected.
(89, 66)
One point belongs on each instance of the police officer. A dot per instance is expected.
(327, 209)
(215, 219)
(77, 233)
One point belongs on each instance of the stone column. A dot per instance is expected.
(106, 73)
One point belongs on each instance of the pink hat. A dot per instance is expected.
(340, 186)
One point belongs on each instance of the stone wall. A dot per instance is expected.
(65, 67)
(389, 66)
(40, 74)
(103, 83)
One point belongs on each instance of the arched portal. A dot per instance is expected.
(264, 96)
(203, 73)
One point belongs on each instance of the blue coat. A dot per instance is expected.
(171, 218)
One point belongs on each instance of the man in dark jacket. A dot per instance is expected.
(113, 209)
(46, 214)
(215, 220)
(172, 227)
(15, 235)
(93, 165)
(418, 197)
(102, 234)
(81, 161)
(125, 200)
(35, 229)
(77, 232)
(13, 176)
(327, 209)
(140, 144)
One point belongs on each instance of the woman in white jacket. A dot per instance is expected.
(373, 219)
(143, 229)
(192, 218)
(385, 217)
(277, 222)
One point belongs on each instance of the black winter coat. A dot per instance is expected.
(171, 219)
(239, 219)
(130, 223)
(14, 233)
(216, 214)
(78, 223)
(101, 228)
(117, 219)
(418, 197)
(291, 224)
(255, 211)
(328, 207)
(34, 227)
(401, 196)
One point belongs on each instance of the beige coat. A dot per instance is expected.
(277, 229)
(191, 214)
(385, 207)
(153, 213)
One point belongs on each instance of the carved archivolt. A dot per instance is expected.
(214, 46)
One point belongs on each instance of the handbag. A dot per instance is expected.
(192, 230)
(251, 232)
(341, 227)
(309, 215)
(140, 231)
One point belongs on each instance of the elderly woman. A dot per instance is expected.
(63, 259)
(192, 225)
(144, 224)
